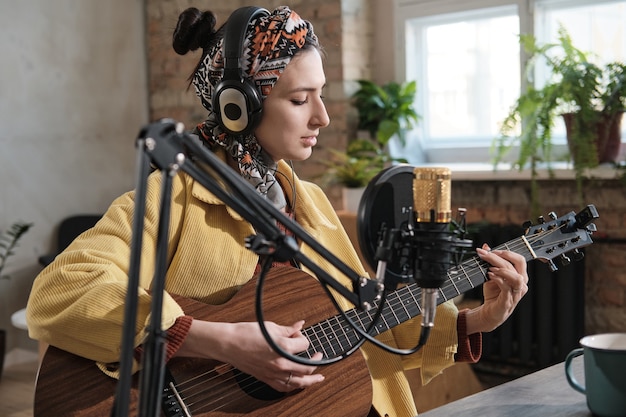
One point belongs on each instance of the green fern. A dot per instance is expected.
(577, 89)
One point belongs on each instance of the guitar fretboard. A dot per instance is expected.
(335, 335)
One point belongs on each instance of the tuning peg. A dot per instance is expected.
(565, 260)
(577, 255)
(586, 216)
(541, 220)
(591, 228)
(552, 265)
(553, 215)
(526, 225)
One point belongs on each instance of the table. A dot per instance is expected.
(542, 393)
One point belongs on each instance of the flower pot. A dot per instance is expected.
(608, 136)
(352, 198)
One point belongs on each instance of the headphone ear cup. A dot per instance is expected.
(238, 106)
(236, 101)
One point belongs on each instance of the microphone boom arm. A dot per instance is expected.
(165, 145)
(263, 216)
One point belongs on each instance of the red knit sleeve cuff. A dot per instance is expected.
(470, 346)
(175, 337)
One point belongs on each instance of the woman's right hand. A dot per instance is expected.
(243, 346)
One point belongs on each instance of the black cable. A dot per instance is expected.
(261, 214)
(365, 334)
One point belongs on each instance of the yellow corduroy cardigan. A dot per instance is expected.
(77, 302)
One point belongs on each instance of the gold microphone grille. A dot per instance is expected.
(431, 194)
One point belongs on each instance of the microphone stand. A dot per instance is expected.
(163, 144)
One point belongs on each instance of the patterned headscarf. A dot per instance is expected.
(270, 44)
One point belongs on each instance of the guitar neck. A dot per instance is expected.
(336, 335)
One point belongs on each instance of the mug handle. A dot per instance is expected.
(568, 370)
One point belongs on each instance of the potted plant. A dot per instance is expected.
(358, 164)
(384, 112)
(588, 97)
(8, 242)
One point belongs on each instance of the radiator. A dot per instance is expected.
(548, 322)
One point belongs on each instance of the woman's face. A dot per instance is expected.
(294, 112)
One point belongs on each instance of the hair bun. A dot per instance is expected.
(195, 29)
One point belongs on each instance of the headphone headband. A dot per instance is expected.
(235, 35)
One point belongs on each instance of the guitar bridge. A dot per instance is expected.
(172, 404)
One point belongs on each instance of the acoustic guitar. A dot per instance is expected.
(69, 385)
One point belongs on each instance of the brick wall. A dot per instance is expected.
(335, 23)
(344, 31)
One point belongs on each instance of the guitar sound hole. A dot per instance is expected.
(255, 388)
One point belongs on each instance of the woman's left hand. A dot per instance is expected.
(507, 284)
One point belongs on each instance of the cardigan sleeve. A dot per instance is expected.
(77, 302)
(175, 337)
(470, 346)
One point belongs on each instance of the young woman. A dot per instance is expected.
(77, 302)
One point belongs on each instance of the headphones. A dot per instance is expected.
(236, 100)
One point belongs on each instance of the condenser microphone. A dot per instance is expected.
(432, 237)
(413, 233)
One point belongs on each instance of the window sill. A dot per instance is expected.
(504, 172)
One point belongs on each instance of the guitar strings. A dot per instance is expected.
(217, 399)
(319, 339)
(400, 301)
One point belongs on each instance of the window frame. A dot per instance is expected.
(442, 11)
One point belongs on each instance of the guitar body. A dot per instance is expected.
(69, 385)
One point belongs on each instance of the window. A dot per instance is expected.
(465, 57)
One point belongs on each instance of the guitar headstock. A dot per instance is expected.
(561, 236)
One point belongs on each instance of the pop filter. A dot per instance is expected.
(387, 203)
